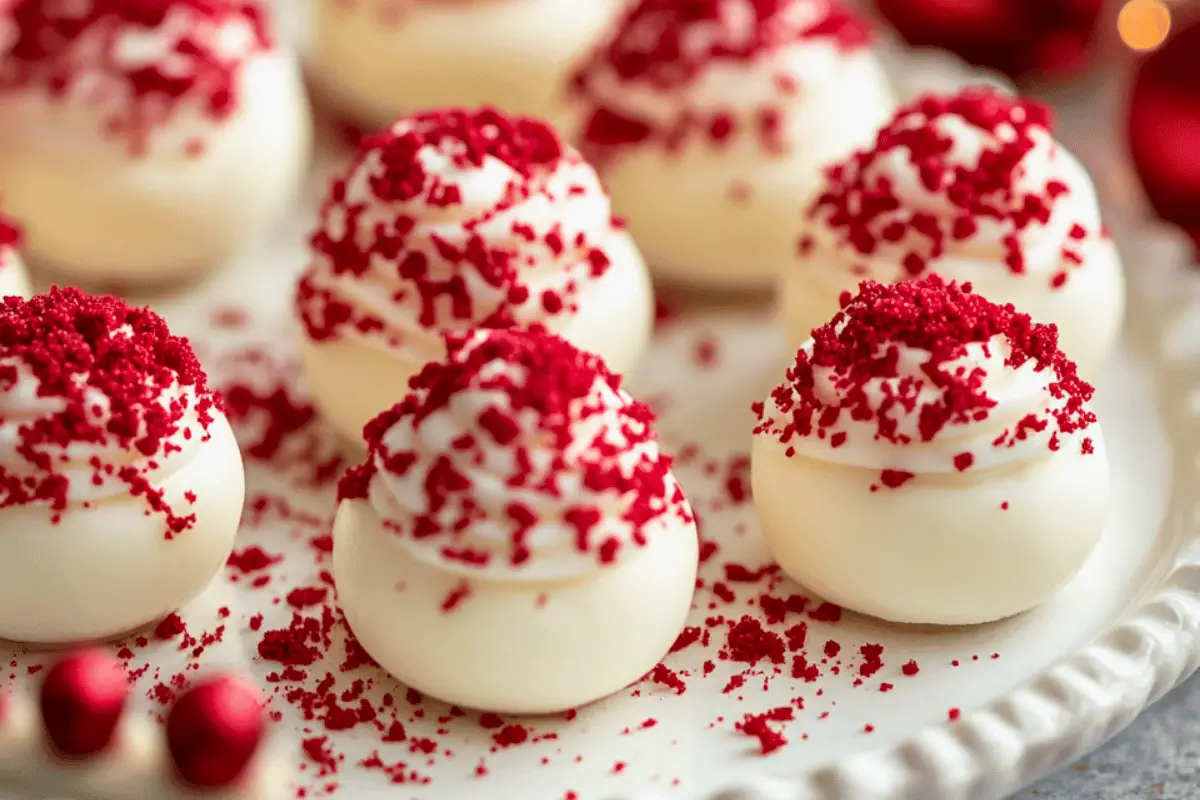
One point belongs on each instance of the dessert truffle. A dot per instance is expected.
(710, 123)
(374, 60)
(145, 141)
(515, 540)
(451, 220)
(14, 281)
(972, 186)
(931, 457)
(120, 481)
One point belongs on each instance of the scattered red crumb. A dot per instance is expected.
(954, 715)
(758, 726)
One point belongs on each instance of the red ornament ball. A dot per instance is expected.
(214, 731)
(1164, 128)
(1046, 38)
(82, 699)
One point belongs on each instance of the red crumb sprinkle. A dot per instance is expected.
(987, 194)
(451, 255)
(861, 348)
(77, 52)
(749, 642)
(666, 48)
(538, 389)
(954, 715)
(251, 559)
(114, 380)
(758, 726)
(665, 676)
(910, 668)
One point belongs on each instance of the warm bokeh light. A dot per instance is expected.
(1144, 24)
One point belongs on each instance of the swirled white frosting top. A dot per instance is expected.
(518, 458)
(451, 220)
(926, 377)
(97, 400)
(133, 67)
(966, 184)
(716, 72)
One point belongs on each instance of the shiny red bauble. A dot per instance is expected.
(82, 699)
(1164, 127)
(1042, 38)
(213, 732)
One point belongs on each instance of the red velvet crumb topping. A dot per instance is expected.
(419, 229)
(862, 344)
(86, 353)
(84, 52)
(664, 47)
(990, 192)
(560, 387)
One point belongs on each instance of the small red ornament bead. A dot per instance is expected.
(214, 731)
(82, 699)
(1045, 38)
(1164, 128)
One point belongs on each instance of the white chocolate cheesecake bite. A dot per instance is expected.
(144, 142)
(930, 457)
(451, 220)
(121, 484)
(375, 60)
(972, 186)
(516, 517)
(710, 123)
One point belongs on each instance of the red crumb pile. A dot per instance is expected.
(546, 394)
(474, 268)
(991, 188)
(665, 47)
(861, 348)
(78, 349)
(82, 51)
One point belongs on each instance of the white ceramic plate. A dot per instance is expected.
(1029, 694)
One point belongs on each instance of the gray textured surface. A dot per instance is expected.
(1158, 757)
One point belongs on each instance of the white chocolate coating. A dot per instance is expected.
(352, 378)
(106, 567)
(519, 648)
(720, 210)
(1088, 308)
(379, 59)
(98, 214)
(939, 549)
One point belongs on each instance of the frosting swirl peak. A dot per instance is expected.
(712, 70)
(96, 399)
(957, 181)
(451, 220)
(925, 376)
(520, 458)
